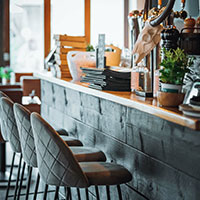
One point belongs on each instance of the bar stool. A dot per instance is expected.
(9, 128)
(10, 134)
(22, 116)
(4, 139)
(58, 166)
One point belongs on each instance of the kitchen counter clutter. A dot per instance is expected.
(159, 146)
(148, 105)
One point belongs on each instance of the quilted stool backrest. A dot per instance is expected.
(9, 124)
(22, 117)
(3, 134)
(56, 163)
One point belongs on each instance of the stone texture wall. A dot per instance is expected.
(164, 158)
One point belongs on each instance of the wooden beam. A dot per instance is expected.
(6, 32)
(1, 32)
(87, 20)
(126, 30)
(47, 27)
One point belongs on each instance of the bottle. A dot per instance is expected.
(12, 78)
(134, 79)
(156, 82)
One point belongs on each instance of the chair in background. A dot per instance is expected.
(31, 93)
(113, 57)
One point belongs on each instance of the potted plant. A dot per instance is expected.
(5, 73)
(174, 66)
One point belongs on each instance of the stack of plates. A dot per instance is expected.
(190, 110)
(193, 108)
(112, 78)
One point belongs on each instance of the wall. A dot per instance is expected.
(163, 157)
(1, 32)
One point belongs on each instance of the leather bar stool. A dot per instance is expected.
(22, 116)
(58, 166)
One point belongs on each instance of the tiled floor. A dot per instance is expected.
(50, 195)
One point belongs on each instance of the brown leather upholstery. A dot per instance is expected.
(1, 138)
(71, 141)
(102, 173)
(88, 154)
(19, 75)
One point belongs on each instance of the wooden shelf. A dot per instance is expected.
(148, 105)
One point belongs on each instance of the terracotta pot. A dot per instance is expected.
(170, 99)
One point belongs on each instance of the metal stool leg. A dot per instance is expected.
(45, 192)
(36, 187)
(18, 174)
(108, 192)
(21, 181)
(87, 194)
(69, 194)
(56, 193)
(119, 192)
(10, 176)
(97, 192)
(29, 182)
(78, 193)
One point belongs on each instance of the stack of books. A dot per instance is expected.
(64, 44)
(111, 78)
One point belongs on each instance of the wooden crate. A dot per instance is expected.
(64, 45)
(69, 38)
(63, 50)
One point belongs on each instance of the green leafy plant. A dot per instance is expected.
(90, 48)
(5, 72)
(174, 66)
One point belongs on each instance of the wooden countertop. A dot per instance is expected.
(148, 105)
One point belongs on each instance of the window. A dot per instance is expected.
(26, 35)
(67, 17)
(108, 17)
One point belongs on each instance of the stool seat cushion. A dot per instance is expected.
(102, 173)
(71, 141)
(88, 154)
(62, 131)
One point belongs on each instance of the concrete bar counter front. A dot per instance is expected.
(161, 147)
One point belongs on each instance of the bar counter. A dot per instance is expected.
(160, 146)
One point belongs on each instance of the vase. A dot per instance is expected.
(77, 59)
(4, 81)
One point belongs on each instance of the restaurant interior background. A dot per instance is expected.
(24, 46)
